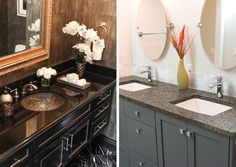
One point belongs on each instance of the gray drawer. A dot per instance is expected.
(142, 139)
(137, 160)
(139, 113)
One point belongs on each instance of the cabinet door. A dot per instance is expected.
(209, 149)
(52, 155)
(172, 141)
(77, 138)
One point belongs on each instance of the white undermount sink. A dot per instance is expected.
(203, 106)
(134, 86)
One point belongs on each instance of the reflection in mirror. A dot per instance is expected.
(218, 32)
(20, 25)
(152, 29)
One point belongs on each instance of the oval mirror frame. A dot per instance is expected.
(152, 30)
(216, 32)
(32, 56)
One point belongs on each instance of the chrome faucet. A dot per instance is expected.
(149, 72)
(219, 86)
(28, 88)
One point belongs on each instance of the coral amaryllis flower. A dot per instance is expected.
(180, 46)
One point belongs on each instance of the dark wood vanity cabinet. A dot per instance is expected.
(153, 139)
(57, 144)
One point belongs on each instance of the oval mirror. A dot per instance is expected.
(218, 32)
(152, 29)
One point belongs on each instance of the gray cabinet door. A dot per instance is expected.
(174, 152)
(209, 149)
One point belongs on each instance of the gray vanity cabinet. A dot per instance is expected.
(186, 145)
(124, 160)
(153, 139)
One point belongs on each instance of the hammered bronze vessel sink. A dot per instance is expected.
(43, 101)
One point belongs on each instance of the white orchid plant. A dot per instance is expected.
(88, 39)
(34, 40)
(46, 72)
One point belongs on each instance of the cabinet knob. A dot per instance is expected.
(138, 131)
(137, 113)
(182, 131)
(189, 134)
(141, 164)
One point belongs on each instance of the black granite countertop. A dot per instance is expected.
(25, 125)
(160, 96)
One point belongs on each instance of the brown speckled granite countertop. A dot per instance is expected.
(161, 94)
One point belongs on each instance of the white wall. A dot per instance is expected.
(179, 12)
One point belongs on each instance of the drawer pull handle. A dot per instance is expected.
(20, 160)
(182, 131)
(102, 110)
(189, 134)
(141, 164)
(100, 126)
(66, 147)
(105, 96)
(137, 113)
(71, 140)
(139, 131)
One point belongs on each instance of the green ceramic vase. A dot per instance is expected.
(182, 76)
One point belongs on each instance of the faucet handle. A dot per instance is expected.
(149, 68)
(16, 94)
(219, 79)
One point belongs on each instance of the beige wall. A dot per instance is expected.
(124, 38)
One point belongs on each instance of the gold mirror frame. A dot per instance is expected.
(30, 57)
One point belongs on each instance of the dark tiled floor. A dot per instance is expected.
(98, 154)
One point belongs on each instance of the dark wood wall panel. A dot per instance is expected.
(3, 29)
(91, 13)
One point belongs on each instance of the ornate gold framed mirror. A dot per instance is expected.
(30, 54)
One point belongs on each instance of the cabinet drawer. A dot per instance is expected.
(139, 113)
(137, 160)
(99, 124)
(102, 109)
(142, 139)
(19, 158)
(102, 97)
